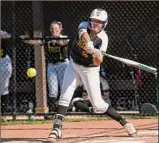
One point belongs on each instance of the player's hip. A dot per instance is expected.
(83, 68)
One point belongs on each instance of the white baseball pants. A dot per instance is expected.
(74, 75)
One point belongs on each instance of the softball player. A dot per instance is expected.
(57, 61)
(84, 66)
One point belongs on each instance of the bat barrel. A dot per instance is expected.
(132, 63)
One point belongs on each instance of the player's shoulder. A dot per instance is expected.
(83, 25)
(84, 22)
(103, 35)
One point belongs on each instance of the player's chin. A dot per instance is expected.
(97, 61)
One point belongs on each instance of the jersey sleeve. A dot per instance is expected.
(104, 44)
(82, 28)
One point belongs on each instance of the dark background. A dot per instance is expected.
(133, 21)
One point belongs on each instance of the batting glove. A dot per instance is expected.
(96, 53)
(89, 47)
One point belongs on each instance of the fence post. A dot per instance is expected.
(14, 74)
(41, 95)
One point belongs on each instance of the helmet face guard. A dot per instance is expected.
(98, 18)
(96, 25)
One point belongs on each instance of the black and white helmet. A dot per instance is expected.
(101, 15)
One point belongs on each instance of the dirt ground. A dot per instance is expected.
(108, 131)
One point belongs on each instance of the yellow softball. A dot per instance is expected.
(31, 72)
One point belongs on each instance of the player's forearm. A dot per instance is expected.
(85, 37)
(89, 47)
(33, 42)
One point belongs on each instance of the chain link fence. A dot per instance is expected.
(133, 34)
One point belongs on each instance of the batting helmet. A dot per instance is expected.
(101, 15)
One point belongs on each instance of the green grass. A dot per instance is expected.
(73, 119)
(22, 122)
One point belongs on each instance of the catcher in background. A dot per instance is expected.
(56, 59)
(84, 66)
(5, 71)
